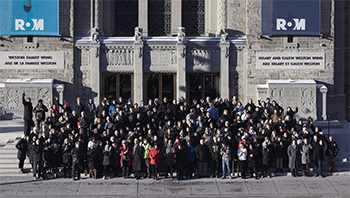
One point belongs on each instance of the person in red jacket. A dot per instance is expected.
(155, 155)
(125, 158)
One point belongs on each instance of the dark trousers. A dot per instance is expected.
(65, 171)
(27, 127)
(154, 168)
(21, 163)
(115, 170)
(106, 170)
(243, 167)
(76, 170)
(125, 168)
(215, 167)
(189, 170)
(169, 169)
(35, 168)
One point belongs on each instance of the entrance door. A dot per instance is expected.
(202, 85)
(159, 86)
(118, 85)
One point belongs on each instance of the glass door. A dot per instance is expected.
(159, 86)
(116, 85)
(202, 85)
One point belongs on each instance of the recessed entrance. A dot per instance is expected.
(159, 86)
(202, 85)
(116, 85)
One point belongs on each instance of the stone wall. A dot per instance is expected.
(44, 45)
(257, 43)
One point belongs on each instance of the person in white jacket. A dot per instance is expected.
(242, 158)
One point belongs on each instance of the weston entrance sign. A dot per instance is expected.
(31, 60)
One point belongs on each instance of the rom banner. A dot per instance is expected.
(29, 17)
(291, 17)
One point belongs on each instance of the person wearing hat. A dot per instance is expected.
(39, 111)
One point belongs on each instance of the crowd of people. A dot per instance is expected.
(201, 138)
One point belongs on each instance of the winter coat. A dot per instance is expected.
(66, 154)
(279, 150)
(92, 159)
(293, 154)
(181, 156)
(127, 152)
(242, 154)
(317, 154)
(202, 153)
(28, 109)
(55, 156)
(332, 149)
(107, 156)
(215, 151)
(190, 153)
(252, 157)
(77, 156)
(39, 111)
(169, 155)
(226, 153)
(266, 157)
(155, 155)
(137, 155)
(36, 152)
(305, 153)
(22, 147)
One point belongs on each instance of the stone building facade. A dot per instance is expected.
(137, 49)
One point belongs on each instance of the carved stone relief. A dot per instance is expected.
(117, 57)
(209, 59)
(160, 57)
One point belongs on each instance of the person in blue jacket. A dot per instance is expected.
(190, 159)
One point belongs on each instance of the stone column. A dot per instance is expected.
(181, 63)
(176, 15)
(143, 16)
(95, 72)
(60, 89)
(98, 22)
(138, 65)
(324, 90)
(224, 65)
(221, 16)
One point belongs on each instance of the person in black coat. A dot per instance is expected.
(181, 157)
(202, 154)
(92, 159)
(77, 159)
(36, 153)
(28, 114)
(317, 155)
(22, 147)
(252, 160)
(66, 158)
(55, 158)
(215, 157)
(137, 154)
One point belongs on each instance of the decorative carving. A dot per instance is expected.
(160, 57)
(159, 17)
(13, 96)
(193, 16)
(118, 57)
(308, 98)
(199, 57)
(84, 57)
(222, 15)
(138, 35)
(99, 15)
(181, 35)
(224, 36)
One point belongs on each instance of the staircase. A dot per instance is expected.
(9, 161)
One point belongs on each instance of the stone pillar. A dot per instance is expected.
(138, 65)
(324, 90)
(98, 22)
(143, 16)
(176, 15)
(181, 63)
(95, 72)
(221, 16)
(224, 65)
(60, 89)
